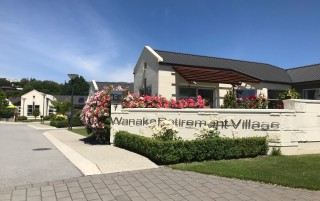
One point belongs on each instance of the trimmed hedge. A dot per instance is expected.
(178, 151)
(59, 123)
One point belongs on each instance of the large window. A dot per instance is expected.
(31, 108)
(184, 92)
(246, 93)
(207, 93)
(312, 94)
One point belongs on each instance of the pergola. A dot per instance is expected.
(212, 75)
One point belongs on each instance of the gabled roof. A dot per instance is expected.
(261, 71)
(77, 100)
(305, 73)
(124, 85)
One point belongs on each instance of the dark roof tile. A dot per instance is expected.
(261, 71)
(305, 73)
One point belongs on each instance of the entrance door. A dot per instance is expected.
(209, 95)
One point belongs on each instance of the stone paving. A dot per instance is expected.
(153, 184)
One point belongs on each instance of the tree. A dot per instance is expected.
(81, 87)
(35, 113)
(4, 82)
(3, 101)
(62, 106)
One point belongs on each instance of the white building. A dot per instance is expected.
(36, 100)
(179, 75)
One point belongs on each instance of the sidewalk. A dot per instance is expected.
(95, 159)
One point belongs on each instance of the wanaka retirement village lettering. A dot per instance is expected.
(221, 124)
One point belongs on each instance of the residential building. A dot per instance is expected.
(37, 100)
(178, 75)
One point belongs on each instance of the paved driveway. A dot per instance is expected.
(26, 156)
(159, 184)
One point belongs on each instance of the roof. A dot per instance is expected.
(262, 71)
(77, 100)
(122, 84)
(305, 73)
(15, 100)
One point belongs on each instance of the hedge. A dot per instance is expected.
(59, 123)
(179, 151)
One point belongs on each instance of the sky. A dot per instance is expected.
(102, 39)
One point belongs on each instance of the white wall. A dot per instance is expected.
(151, 73)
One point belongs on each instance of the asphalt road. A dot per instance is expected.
(27, 157)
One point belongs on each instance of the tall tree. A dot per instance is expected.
(81, 87)
(4, 82)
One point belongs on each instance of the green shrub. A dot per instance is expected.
(76, 121)
(59, 123)
(170, 152)
(45, 118)
(22, 118)
(6, 113)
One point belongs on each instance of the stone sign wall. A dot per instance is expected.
(296, 129)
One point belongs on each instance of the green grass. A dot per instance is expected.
(292, 171)
(80, 131)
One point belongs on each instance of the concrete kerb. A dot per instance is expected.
(96, 159)
(82, 163)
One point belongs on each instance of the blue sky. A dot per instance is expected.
(102, 39)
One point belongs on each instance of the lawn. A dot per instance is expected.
(80, 131)
(292, 171)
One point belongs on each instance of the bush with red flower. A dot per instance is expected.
(134, 101)
(252, 102)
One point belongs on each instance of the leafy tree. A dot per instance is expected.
(35, 113)
(62, 106)
(46, 86)
(4, 82)
(81, 87)
(3, 101)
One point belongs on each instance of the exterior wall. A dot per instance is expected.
(151, 73)
(43, 100)
(166, 82)
(295, 129)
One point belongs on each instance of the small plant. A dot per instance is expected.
(276, 151)
(289, 94)
(165, 131)
(35, 113)
(229, 100)
(209, 131)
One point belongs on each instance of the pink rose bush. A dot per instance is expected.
(135, 101)
(95, 114)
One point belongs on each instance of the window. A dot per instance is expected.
(184, 92)
(29, 112)
(31, 108)
(51, 110)
(246, 93)
(141, 92)
(312, 94)
(273, 99)
(81, 100)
